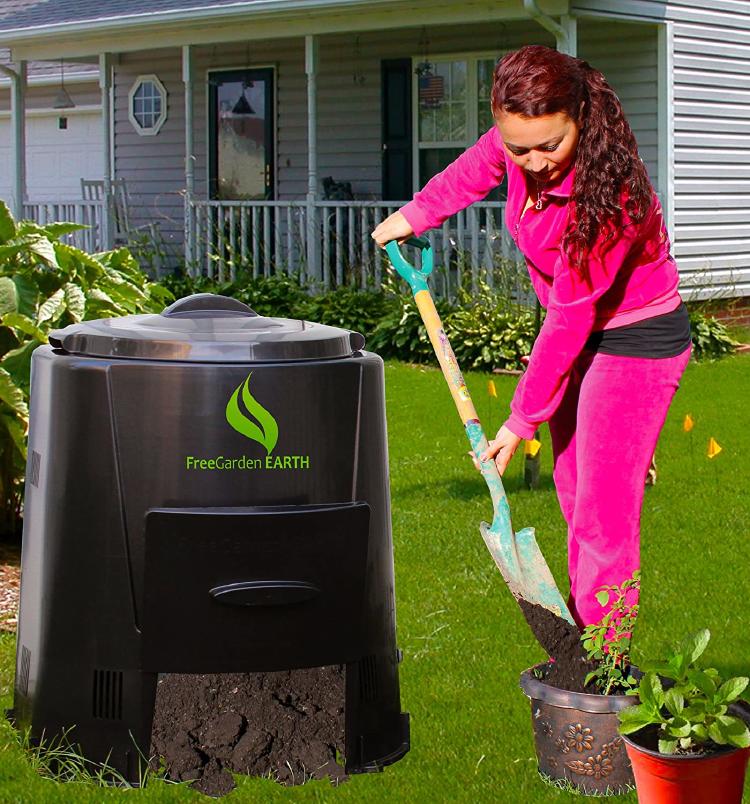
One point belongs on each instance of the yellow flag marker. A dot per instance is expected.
(687, 423)
(713, 448)
(491, 390)
(531, 448)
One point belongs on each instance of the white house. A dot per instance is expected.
(223, 117)
(62, 144)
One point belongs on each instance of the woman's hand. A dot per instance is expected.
(394, 227)
(501, 448)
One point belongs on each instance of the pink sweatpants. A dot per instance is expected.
(603, 436)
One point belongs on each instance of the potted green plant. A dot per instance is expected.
(575, 700)
(686, 739)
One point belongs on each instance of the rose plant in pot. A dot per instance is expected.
(575, 700)
(687, 738)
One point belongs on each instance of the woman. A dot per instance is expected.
(616, 337)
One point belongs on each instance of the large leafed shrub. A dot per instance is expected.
(46, 284)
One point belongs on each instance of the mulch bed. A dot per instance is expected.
(10, 583)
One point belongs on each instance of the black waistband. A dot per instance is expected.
(665, 335)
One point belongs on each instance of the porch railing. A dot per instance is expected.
(88, 213)
(268, 237)
(328, 243)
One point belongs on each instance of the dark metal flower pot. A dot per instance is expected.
(576, 737)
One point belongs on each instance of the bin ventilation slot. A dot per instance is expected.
(108, 694)
(23, 671)
(35, 463)
(368, 679)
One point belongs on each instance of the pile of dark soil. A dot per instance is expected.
(288, 725)
(562, 641)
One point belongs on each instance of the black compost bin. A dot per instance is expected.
(206, 492)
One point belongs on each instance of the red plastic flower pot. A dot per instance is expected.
(717, 778)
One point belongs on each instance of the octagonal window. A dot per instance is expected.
(147, 104)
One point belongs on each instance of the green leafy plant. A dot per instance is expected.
(47, 284)
(488, 331)
(607, 642)
(401, 333)
(691, 713)
(711, 338)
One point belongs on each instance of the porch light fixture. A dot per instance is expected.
(62, 99)
(243, 105)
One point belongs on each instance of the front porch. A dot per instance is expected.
(327, 242)
(233, 184)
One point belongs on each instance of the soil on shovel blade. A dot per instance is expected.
(562, 641)
(287, 725)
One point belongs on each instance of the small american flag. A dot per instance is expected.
(431, 90)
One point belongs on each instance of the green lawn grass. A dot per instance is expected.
(464, 640)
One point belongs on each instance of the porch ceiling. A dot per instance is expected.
(205, 23)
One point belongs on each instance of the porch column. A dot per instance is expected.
(105, 85)
(187, 79)
(565, 31)
(311, 69)
(569, 41)
(18, 134)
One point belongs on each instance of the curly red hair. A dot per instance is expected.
(610, 176)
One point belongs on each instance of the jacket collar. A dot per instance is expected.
(564, 185)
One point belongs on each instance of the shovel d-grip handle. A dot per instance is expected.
(416, 278)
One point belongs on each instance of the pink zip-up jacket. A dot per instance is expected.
(633, 279)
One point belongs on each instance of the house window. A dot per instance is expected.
(147, 105)
(452, 109)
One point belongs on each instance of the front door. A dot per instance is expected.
(241, 147)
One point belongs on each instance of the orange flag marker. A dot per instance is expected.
(491, 390)
(687, 423)
(713, 448)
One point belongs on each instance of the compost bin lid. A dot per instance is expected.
(206, 328)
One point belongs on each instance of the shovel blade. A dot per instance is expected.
(524, 569)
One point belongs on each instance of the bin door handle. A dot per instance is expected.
(204, 305)
(264, 593)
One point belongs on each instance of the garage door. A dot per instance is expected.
(56, 159)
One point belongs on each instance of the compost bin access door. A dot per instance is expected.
(254, 589)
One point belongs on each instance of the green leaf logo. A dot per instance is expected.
(266, 431)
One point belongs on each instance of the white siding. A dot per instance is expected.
(153, 167)
(711, 56)
(627, 55)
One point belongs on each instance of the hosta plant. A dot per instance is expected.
(692, 714)
(46, 284)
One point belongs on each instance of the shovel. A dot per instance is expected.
(517, 555)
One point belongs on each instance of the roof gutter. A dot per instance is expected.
(258, 8)
(560, 32)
